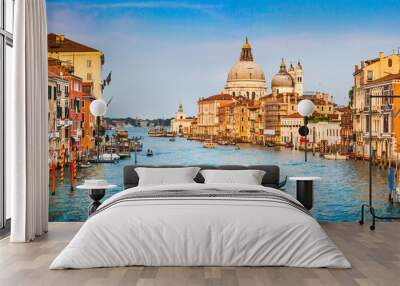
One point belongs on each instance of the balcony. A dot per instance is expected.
(79, 132)
(60, 122)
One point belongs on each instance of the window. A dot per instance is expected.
(370, 75)
(49, 92)
(89, 63)
(390, 63)
(54, 92)
(89, 76)
(6, 44)
(386, 123)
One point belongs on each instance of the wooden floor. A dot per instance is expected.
(375, 257)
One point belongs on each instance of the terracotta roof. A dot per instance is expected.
(66, 45)
(53, 75)
(294, 115)
(386, 78)
(226, 104)
(221, 96)
(343, 109)
(255, 105)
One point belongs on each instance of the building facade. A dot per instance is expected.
(86, 61)
(274, 107)
(207, 114)
(290, 125)
(88, 120)
(180, 124)
(346, 128)
(324, 133)
(58, 128)
(378, 76)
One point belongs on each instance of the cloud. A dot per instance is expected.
(142, 5)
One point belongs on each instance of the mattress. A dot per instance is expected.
(201, 225)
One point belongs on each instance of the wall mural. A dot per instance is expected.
(219, 83)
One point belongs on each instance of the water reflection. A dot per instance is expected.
(338, 195)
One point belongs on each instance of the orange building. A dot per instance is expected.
(88, 120)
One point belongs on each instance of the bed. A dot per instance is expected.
(198, 224)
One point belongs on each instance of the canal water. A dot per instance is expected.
(337, 196)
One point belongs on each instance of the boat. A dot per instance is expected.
(172, 139)
(121, 133)
(157, 132)
(289, 145)
(171, 134)
(208, 144)
(108, 156)
(237, 147)
(149, 153)
(102, 161)
(336, 156)
(84, 165)
(270, 144)
(135, 146)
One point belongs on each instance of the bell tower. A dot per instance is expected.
(298, 79)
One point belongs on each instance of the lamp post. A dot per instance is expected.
(98, 108)
(305, 108)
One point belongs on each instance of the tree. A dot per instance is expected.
(351, 94)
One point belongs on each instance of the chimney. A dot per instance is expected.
(362, 64)
(356, 68)
(381, 55)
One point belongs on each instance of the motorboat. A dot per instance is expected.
(108, 156)
(84, 165)
(336, 156)
(209, 144)
(149, 153)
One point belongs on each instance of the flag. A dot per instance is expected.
(108, 102)
(108, 79)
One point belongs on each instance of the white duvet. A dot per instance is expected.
(200, 231)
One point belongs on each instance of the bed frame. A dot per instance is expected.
(270, 179)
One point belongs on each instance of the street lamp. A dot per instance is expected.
(305, 108)
(98, 108)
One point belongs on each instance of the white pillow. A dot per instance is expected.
(248, 177)
(166, 176)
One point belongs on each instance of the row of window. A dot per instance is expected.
(55, 91)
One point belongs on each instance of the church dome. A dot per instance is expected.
(282, 78)
(246, 70)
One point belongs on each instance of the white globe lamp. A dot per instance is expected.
(98, 107)
(306, 107)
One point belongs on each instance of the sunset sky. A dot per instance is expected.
(163, 53)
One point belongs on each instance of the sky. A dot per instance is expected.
(163, 53)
